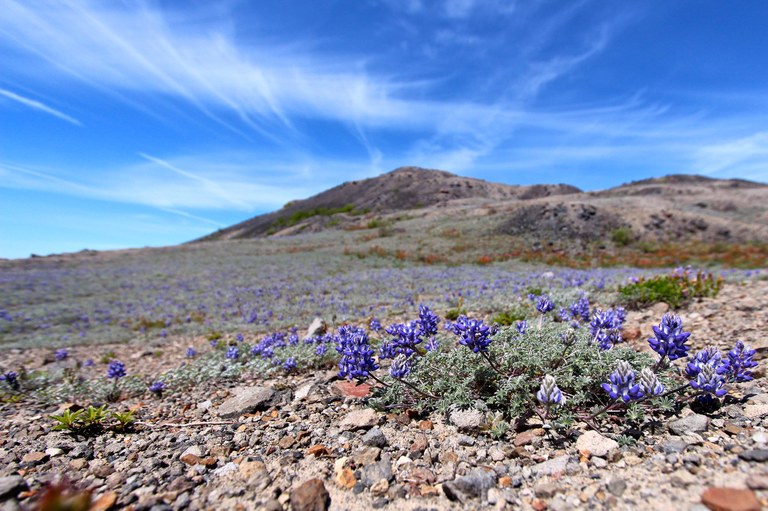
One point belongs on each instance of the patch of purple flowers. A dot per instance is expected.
(356, 353)
(670, 339)
(739, 362)
(191, 352)
(473, 333)
(621, 384)
(544, 304)
(605, 327)
(290, 364)
(157, 388)
(233, 353)
(61, 354)
(12, 379)
(115, 370)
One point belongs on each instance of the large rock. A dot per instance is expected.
(317, 327)
(593, 443)
(730, 499)
(310, 496)
(246, 400)
(693, 423)
(11, 486)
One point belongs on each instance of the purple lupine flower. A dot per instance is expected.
(157, 388)
(163, 333)
(544, 304)
(88, 362)
(289, 364)
(739, 362)
(709, 382)
(12, 379)
(321, 349)
(649, 383)
(549, 393)
(622, 383)
(401, 366)
(214, 343)
(375, 325)
(565, 315)
(233, 353)
(115, 370)
(580, 309)
(406, 338)
(428, 321)
(432, 344)
(473, 333)
(522, 327)
(670, 338)
(191, 352)
(239, 338)
(61, 354)
(708, 356)
(356, 354)
(293, 339)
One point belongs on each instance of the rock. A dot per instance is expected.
(551, 467)
(760, 455)
(255, 473)
(473, 485)
(467, 420)
(659, 308)
(465, 441)
(758, 481)
(380, 488)
(593, 443)
(375, 472)
(246, 400)
(693, 423)
(674, 445)
(374, 438)
(351, 389)
(528, 436)
(366, 456)
(496, 454)
(229, 468)
(304, 391)
(546, 490)
(756, 411)
(599, 462)
(359, 419)
(105, 502)
(11, 486)
(33, 458)
(311, 496)
(730, 499)
(317, 327)
(616, 486)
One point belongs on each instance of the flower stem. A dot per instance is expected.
(492, 363)
(422, 392)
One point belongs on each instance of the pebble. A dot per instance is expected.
(310, 496)
(374, 437)
(473, 485)
(246, 400)
(11, 486)
(359, 419)
(467, 420)
(693, 423)
(551, 467)
(759, 455)
(593, 443)
(730, 499)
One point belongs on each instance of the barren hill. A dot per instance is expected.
(671, 208)
(403, 189)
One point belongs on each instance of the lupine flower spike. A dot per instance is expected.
(670, 339)
(622, 384)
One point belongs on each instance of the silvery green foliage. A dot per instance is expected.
(461, 378)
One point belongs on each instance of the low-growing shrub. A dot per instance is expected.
(676, 290)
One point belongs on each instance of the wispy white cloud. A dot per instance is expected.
(39, 106)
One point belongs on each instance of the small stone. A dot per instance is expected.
(380, 488)
(674, 445)
(317, 327)
(346, 478)
(473, 485)
(599, 462)
(466, 441)
(421, 475)
(246, 400)
(11, 486)
(227, 469)
(616, 486)
(756, 411)
(318, 451)
(419, 445)
(527, 437)
(286, 441)
(551, 467)
(104, 502)
(78, 464)
(359, 419)
(311, 496)
(377, 471)
(255, 473)
(682, 478)
(693, 423)
(467, 420)
(54, 451)
(759, 455)
(546, 490)
(374, 437)
(496, 454)
(426, 425)
(730, 499)
(33, 458)
(593, 443)
(758, 481)
(366, 456)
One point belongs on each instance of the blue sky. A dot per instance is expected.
(139, 123)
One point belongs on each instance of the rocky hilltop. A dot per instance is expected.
(671, 208)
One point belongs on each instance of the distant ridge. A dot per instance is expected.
(402, 189)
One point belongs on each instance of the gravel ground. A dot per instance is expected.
(307, 442)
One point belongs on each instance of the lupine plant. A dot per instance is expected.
(556, 371)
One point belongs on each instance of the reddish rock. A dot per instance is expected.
(730, 499)
(426, 425)
(419, 445)
(310, 496)
(526, 437)
(318, 450)
(351, 389)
